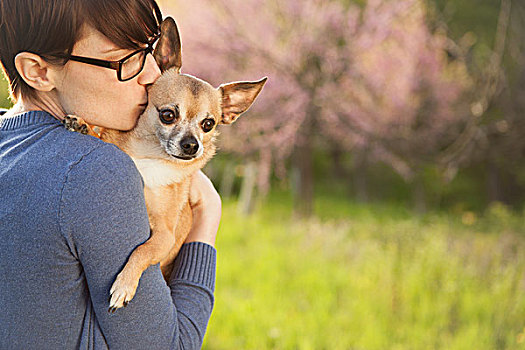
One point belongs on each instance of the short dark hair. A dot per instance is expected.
(50, 29)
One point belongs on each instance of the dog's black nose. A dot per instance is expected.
(189, 145)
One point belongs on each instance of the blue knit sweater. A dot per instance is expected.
(71, 212)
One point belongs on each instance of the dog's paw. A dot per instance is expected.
(122, 290)
(75, 124)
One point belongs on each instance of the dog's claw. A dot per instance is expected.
(122, 290)
(75, 124)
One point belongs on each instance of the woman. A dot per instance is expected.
(72, 207)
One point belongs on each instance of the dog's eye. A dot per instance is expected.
(207, 124)
(167, 116)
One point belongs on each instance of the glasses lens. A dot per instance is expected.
(133, 65)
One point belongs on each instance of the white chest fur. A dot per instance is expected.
(158, 173)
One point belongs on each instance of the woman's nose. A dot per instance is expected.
(150, 73)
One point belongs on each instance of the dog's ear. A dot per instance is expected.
(168, 50)
(238, 97)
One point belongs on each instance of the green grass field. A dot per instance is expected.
(368, 277)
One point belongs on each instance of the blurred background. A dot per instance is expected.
(374, 194)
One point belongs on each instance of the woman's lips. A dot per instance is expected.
(142, 107)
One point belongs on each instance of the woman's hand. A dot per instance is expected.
(206, 206)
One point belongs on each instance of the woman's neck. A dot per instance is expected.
(43, 103)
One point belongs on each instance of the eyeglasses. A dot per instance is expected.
(127, 68)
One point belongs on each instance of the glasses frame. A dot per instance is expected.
(117, 65)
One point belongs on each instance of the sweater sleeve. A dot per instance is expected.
(103, 219)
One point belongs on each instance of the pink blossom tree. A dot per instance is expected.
(402, 101)
(371, 79)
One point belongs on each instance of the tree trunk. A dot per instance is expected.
(494, 188)
(419, 194)
(337, 163)
(304, 198)
(246, 198)
(228, 177)
(303, 160)
(264, 174)
(360, 167)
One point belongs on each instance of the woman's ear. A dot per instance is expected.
(34, 71)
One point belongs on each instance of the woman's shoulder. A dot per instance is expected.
(103, 176)
(77, 157)
(99, 162)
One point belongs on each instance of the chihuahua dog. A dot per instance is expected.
(172, 140)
